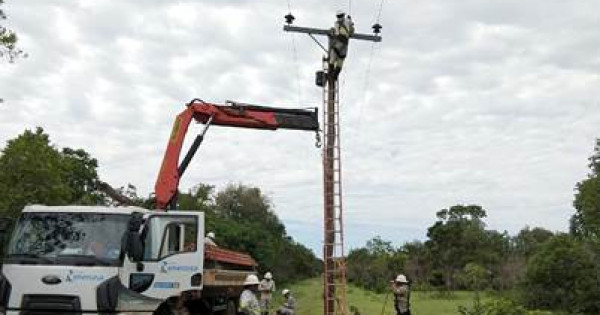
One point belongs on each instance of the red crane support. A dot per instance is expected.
(232, 115)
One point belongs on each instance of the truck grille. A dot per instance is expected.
(38, 304)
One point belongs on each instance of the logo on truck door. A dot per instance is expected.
(78, 276)
(165, 268)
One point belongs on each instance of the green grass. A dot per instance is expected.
(309, 301)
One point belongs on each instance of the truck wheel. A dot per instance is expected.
(231, 308)
(164, 309)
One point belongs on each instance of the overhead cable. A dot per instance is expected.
(295, 53)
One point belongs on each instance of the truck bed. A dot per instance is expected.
(226, 268)
(221, 255)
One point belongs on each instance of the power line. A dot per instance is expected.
(369, 65)
(379, 12)
(297, 66)
(349, 7)
(295, 55)
(366, 86)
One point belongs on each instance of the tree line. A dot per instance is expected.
(538, 268)
(35, 171)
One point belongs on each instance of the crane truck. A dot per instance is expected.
(130, 260)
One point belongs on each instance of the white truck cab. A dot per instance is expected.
(81, 259)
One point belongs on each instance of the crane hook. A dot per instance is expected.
(318, 139)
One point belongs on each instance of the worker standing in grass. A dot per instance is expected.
(401, 290)
(248, 302)
(266, 288)
(289, 305)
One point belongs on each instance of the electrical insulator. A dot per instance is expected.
(377, 28)
(289, 18)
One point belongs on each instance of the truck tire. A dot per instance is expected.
(231, 308)
(164, 309)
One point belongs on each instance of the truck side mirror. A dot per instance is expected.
(5, 224)
(131, 243)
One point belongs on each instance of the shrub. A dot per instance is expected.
(562, 275)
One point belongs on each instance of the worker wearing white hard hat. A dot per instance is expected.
(210, 239)
(289, 305)
(266, 288)
(401, 279)
(401, 290)
(340, 36)
(248, 302)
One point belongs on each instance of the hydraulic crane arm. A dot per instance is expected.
(232, 115)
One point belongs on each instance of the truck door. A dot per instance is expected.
(173, 256)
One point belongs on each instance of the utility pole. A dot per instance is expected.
(334, 278)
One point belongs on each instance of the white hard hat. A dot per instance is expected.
(268, 276)
(340, 12)
(251, 280)
(210, 235)
(401, 279)
(285, 291)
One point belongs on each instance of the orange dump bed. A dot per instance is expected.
(228, 256)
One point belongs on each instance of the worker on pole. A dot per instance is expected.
(401, 290)
(338, 44)
(248, 302)
(266, 288)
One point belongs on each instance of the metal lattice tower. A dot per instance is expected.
(334, 284)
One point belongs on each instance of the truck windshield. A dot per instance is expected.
(68, 239)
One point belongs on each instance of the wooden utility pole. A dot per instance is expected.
(334, 278)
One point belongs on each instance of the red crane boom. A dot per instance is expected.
(231, 115)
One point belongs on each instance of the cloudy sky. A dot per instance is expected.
(488, 102)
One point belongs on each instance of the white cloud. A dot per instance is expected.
(494, 103)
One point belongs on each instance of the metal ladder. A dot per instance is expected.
(335, 272)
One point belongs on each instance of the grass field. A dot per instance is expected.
(308, 297)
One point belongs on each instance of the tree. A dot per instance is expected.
(585, 223)
(529, 240)
(563, 275)
(378, 247)
(475, 277)
(243, 219)
(200, 198)
(80, 174)
(454, 240)
(247, 204)
(32, 171)
(418, 262)
(373, 266)
(8, 40)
